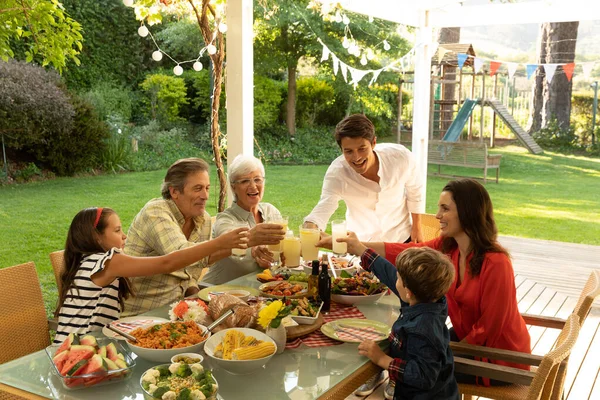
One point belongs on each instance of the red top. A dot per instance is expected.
(482, 309)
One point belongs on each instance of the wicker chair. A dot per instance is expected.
(430, 226)
(544, 383)
(23, 323)
(57, 259)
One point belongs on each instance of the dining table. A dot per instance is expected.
(329, 372)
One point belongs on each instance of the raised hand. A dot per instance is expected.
(355, 246)
(265, 233)
(235, 239)
(325, 241)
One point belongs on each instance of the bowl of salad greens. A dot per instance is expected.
(179, 381)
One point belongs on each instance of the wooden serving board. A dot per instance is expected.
(294, 332)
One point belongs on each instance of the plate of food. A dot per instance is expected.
(279, 290)
(205, 293)
(355, 330)
(304, 311)
(128, 324)
(363, 288)
(348, 264)
(291, 275)
(181, 380)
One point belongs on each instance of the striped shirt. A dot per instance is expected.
(87, 306)
(157, 230)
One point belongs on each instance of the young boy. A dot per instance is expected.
(420, 361)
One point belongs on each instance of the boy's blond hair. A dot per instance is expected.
(426, 272)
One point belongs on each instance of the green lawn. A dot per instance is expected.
(548, 196)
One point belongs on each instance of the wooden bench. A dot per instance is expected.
(462, 154)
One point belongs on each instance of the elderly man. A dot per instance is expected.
(379, 184)
(175, 221)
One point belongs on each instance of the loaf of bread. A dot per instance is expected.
(244, 315)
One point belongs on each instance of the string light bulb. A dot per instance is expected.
(345, 43)
(338, 17)
(363, 60)
(143, 31)
(128, 3)
(178, 70)
(345, 19)
(386, 45)
(211, 49)
(370, 54)
(157, 55)
(197, 66)
(222, 27)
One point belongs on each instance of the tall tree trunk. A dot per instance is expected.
(448, 35)
(291, 101)
(557, 44)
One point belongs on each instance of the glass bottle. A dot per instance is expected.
(325, 287)
(313, 281)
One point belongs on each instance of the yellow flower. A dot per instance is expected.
(269, 313)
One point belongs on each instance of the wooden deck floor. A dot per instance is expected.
(549, 277)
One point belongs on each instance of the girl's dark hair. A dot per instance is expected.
(82, 241)
(476, 216)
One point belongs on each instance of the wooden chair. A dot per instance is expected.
(543, 383)
(430, 226)
(23, 323)
(57, 259)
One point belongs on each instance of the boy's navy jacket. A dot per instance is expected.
(420, 340)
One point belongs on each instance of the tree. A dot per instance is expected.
(210, 20)
(556, 44)
(48, 35)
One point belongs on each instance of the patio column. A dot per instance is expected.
(240, 78)
(422, 79)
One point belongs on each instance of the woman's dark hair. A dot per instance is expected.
(476, 216)
(82, 241)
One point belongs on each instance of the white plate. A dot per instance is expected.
(128, 324)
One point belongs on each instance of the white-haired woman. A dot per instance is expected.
(247, 180)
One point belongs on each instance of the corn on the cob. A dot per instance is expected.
(249, 341)
(254, 352)
(228, 344)
(239, 339)
(219, 350)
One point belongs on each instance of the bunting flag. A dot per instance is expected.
(441, 53)
(344, 67)
(568, 70)
(477, 63)
(512, 68)
(550, 69)
(357, 75)
(325, 55)
(531, 69)
(494, 65)
(587, 69)
(461, 58)
(375, 76)
(336, 63)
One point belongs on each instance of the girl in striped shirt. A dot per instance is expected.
(95, 282)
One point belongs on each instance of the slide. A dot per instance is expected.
(459, 122)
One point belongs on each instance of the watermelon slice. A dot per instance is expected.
(76, 354)
(59, 359)
(97, 365)
(111, 352)
(68, 342)
(122, 365)
(88, 340)
(102, 351)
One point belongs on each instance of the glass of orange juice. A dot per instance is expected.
(309, 238)
(276, 249)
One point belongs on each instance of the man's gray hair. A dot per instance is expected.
(178, 172)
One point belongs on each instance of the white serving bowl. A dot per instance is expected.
(194, 356)
(349, 299)
(148, 396)
(164, 355)
(238, 367)
(240, 294)
(303, 320)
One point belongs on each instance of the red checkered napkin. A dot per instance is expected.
(355, 334)
(131, 325)
(317, 338)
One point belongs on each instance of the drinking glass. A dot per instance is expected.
(291, 249)
(277, 248)
(309, 238)
(338, 230)
(236, 252)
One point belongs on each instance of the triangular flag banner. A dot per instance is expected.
(325, 55)
(531, 69)
(344, 67)
(550, 69)
(461, 58)
(441, 53)
(336, 63)
(494, 65)
(587, 69)
(375, 76)
(357, 74)
(478, 63)
(568, 69)
(512, 68)
(433, 48)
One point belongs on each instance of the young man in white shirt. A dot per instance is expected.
(379, 184)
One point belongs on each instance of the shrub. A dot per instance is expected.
(110, 100)
(33, 108)
(314, 96)
(553, 138)
(581, 116)
(165, 95)
(117, 152)
(201, 96)
(268, 97)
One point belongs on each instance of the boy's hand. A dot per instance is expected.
(355, 246)
(371, 350)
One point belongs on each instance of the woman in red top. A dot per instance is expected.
(482, 301)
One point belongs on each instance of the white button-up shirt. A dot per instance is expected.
(374, 211)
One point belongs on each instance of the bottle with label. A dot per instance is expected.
(313, 281)
(325, 287)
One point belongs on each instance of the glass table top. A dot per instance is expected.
(302, 373)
